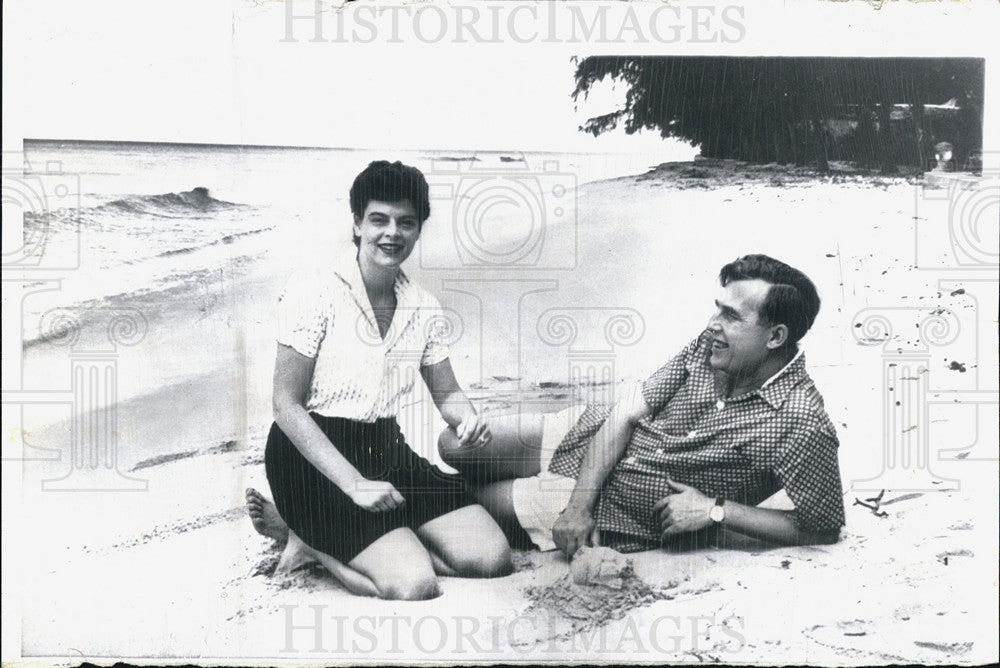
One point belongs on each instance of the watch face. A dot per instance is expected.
(717, 513)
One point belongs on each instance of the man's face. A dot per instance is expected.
(740, 340)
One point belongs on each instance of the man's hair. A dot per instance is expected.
(386, 181)
(791, 300)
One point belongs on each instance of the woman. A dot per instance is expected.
(352, 337)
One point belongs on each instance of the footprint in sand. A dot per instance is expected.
(945, 557)
(851, 638)
(949, 648)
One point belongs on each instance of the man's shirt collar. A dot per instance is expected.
(776, 389)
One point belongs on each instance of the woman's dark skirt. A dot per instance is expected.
(325, 518)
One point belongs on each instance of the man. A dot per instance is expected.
(727, 423)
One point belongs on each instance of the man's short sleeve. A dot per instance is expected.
(303, 311)
(568, 456)
(808, 470)
(659, 388)
(437, 328)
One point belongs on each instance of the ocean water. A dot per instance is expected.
(141, 216)
(131, 219)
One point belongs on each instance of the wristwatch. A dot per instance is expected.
(718, 513)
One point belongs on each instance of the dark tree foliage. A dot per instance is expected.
(781, 109)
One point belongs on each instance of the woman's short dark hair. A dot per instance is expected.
(792, 299)
(386, 181)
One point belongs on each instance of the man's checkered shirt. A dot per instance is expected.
(743, 449)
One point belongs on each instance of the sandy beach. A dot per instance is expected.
(175, 568)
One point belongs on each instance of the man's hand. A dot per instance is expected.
(685, 511)
(574, 528)
(474, 431)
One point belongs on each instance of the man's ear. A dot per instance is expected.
(778, 338)
(357, 226)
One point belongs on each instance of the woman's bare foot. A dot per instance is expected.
(298, 554)
(265, 517)
(295, 555)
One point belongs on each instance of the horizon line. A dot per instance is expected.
(302, 147)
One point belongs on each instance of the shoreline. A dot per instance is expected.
(194, 328)
(701, 173)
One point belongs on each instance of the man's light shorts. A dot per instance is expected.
(538, 500)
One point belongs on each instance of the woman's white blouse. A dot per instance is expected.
(324, 313)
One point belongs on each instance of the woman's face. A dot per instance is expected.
(387, 232)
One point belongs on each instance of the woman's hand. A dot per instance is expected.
(474, 431)
(456, 409)
(377, 496)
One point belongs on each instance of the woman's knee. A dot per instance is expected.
(410, 588)
(498, 564)
(492, 559)
(399, 567)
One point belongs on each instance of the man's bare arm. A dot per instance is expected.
(688, 510)
(576, 523)
(773, 526)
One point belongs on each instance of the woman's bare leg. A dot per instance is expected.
(297, 554)
(467, 543)
(441, 567)
(396, 566)
(514, 451)
(399, 567)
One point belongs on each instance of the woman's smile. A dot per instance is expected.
(387, 231)
(391, 248)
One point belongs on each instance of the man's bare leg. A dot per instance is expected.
(498, 500)
(514, 452)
